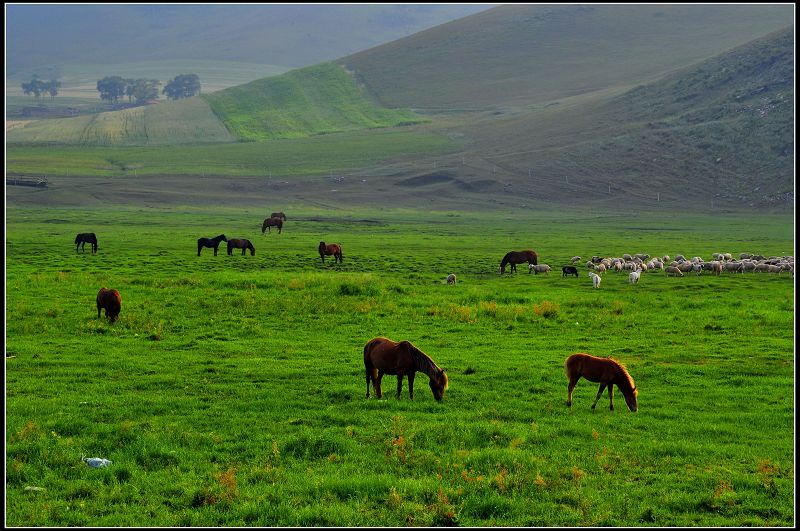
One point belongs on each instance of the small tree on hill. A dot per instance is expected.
(183, 86)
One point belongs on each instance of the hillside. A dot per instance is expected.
(522, 54)
(717, 132)
(308, 101)
(289, 35)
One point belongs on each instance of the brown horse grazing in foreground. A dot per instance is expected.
(334, 249)
(272, 222)
(110, 301)
(384, 356)
(278, 215)
(607, 371)
(518, 257)
(83, 238)
(240, 243)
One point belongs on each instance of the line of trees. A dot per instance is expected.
(37, 87)
(112, 88)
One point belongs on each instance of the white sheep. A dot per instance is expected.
(539, 268)
(595, 279)
(634, 277)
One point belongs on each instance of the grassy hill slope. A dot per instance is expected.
(313, 100)
(720, 130)
(522, 54)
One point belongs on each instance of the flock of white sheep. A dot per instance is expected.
(639, 263)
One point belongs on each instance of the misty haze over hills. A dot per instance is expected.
(287, 35)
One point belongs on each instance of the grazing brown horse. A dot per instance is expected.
(240, 243)
(607, 371)
(83, 238)
(278, 215)
(110, 301)
(210, 242)
(272, 222)
(384, 356)
(334, 249)
(518, 257)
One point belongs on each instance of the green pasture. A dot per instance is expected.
(231, 391)
(319, 154)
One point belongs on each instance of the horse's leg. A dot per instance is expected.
(573, 381)
(378, 390)
(411, 385)
(611, 395)
(368, 371)
(399, 385)
(599, 392)
(98, 311)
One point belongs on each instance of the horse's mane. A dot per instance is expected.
(627, 377)
(426, 364)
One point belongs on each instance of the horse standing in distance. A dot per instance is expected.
(240, 243)
(272, 222)
(278, 215)
(384, 356)
(210, 242)
(334, 249)
(607, 371)
(83, 238)
(518, 257)
(110, 301)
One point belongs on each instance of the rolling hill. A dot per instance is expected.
(517, 55)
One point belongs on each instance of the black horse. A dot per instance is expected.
(83, 238)
(569, 270)
(210, 242)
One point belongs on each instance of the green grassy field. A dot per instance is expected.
(231, 390)
(319, 154)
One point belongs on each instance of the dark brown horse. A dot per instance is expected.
(518, 257)
(384, 356)
(240, 243)
(278, 215)
(272, 222)
(210, 242)
(334, 249)
(607, 371)
(110, 301)
(83, 238)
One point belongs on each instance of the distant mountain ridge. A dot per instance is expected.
(279, 34)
